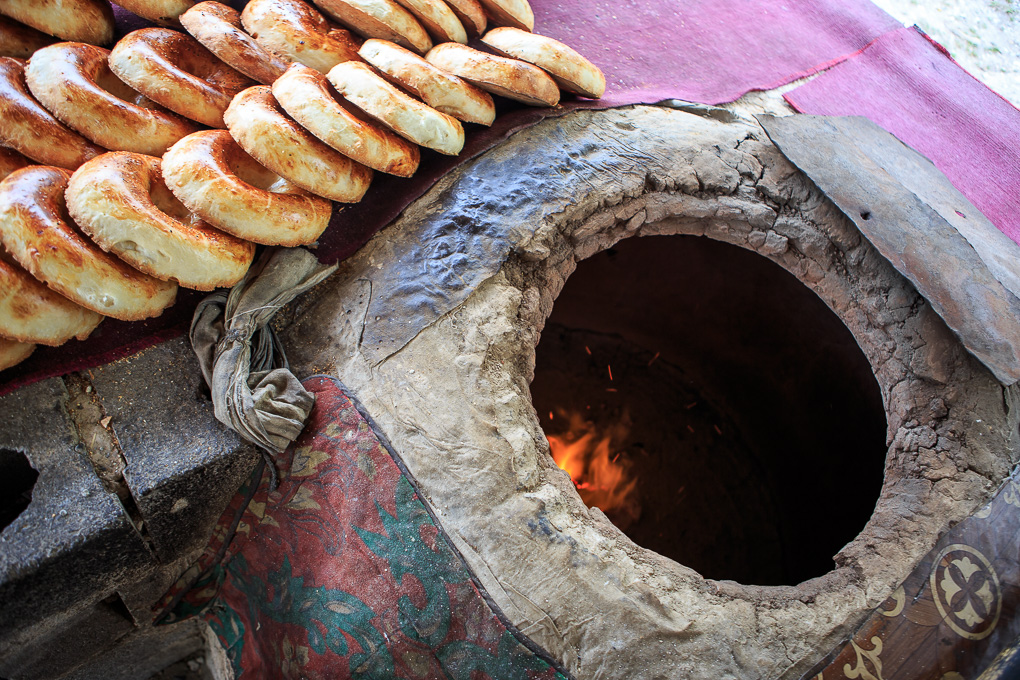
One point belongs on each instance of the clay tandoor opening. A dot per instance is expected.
(727, 394)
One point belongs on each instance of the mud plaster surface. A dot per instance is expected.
(447, 383)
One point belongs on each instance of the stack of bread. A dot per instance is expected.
(164, 161)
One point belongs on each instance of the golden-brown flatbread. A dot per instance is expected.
(35, 231)
(174, 70)
(294, 30)
(406, 116)
(87, 21)
(516, 13)
(218, 27)
(383, 19)
(570, 70)
(31, 312)
(21, 41)
(509, 78)
(13, 352)
(438, 19)
(230, 190)
(258, 123)
(162, 12)
(308, 97)
(441, 90)
(119, 200)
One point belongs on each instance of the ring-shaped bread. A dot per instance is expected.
(510, 78)
(216, 179)
(571, 71)
(87, 21)
(516, 13)
(35, 230)
(259, 125)
(20, 41)
(383, 19)
(442, 91)
(438, 19)
(306, 95)
(26, 125)
(218, 28)
(11, 160)
(294, 30)
(119, 200)
(75, 83)
(13, 352)
(31, 312)
(174, 70)
(471, 14)
(162, 12)
(362, 86)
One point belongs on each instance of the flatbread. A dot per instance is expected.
(571, 71)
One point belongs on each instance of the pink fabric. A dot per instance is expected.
(908, 85)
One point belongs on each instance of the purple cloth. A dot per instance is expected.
(909, 85)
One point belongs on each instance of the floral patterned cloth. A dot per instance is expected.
(341, 571)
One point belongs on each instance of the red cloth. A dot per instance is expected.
(909, 85)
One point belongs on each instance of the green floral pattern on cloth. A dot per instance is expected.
(341, 572)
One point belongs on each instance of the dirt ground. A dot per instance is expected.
(982, 35)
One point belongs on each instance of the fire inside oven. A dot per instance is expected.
(713, 407)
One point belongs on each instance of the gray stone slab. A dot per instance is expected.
(74, 544)
(928, 230)
(183, 466)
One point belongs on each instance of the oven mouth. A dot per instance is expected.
(739, 406)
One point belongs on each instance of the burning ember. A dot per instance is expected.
(602, 476)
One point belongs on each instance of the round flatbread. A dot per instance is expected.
(406, 116)
(218, 28)
(258, 123)
(442, 91)
(13, 352)
(119, 200)
(162, 12)
(438, 19)
(34, 230)
(87, 21)
(294, 30)
(75, 83)
(509, 78)
(383, 19)
(308, 97)
(570, 70)
(21, 41)
(516, 13)
(31, 312)
(229, 189)
(174, 70)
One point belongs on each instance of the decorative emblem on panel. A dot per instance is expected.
(1011, 494)
(866, 657)
(898, 599)
(966, 591)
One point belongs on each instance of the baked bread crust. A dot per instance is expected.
(571, 71)
(31, 312)
(35, 231)
(257, 122)
(20, 41)
(438, 19)
(11, 160)
(379, 19)
(442, 91)
(516, 13)
(306, 95)
(509, 78)
(218, 28)
(294, 30)
(13, 352)
(87, 21)
(162, 12)
(406, 116)
(174, 70)
(75, 83)
(214, 177)
(119, 200)
(471, 15)
(32, 130)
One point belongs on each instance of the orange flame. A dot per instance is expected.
(602, 478)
